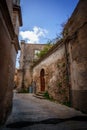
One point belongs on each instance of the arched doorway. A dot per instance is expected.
(42, 80)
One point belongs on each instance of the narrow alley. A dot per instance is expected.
(32, 113)
(42, 52)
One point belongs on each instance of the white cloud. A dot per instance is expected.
(33, 36)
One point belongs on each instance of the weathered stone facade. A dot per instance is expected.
(75, 44)
(54, 79)
(9, 46)
(63, 70)
(27, 58)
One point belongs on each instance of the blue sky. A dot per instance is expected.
(42, 19)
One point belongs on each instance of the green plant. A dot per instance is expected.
(63, 65)
(46, 95)
(45, 50)
(59, 84)
(24, 90)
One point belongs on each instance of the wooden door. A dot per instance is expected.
(42, 80)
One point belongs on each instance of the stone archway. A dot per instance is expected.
(42, 80)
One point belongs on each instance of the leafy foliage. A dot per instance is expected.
(46, 95)
(50, 43)
(45, 50)
(23, 90)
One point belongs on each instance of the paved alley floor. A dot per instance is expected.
(31, 113)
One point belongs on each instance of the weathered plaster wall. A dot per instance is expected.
(77, 55)
(4, 68)
(75, 40)
(10, 7)
(7, 68)
(27, 58)
(78, 69)
(18, 80)
(71, 55)
(8, 53)
(54, 66)
(16, 22)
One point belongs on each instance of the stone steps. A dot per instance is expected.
(39, 95)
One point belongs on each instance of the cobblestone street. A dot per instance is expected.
(32, 113)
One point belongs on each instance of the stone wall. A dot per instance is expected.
(4, 67)
(17, 18)
(10, 7)
(27, 58)
(8, 51)
(77, 55)
(63, 70)
(55, 76)
(18, 79)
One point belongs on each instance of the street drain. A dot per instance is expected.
(22, 124)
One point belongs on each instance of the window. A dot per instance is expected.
(35, 53)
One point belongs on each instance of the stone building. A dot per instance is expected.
(62, 72)
(27, 58)
(10, 20)
(50, 73)
(76, 45)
